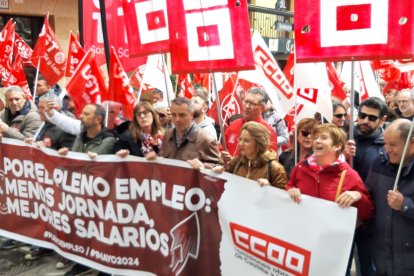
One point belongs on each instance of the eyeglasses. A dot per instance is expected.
(249, 103)
(340, 115)
(145, 113)
(161, 115)
(372, 118)
(305, 133)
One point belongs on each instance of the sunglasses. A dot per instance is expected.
(161, 115)
(305, 133)
(340, 115)
(363, 115)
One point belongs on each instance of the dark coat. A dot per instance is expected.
(367, 149)
(135, 148)
(394, 230)
(55, 137)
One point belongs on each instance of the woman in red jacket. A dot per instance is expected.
(326, 175)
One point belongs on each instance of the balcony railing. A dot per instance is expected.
(263, 20)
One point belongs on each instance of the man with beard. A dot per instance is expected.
(368, 144)
(200, 103)
(93, 139)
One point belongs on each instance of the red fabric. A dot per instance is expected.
(202, 79)
(23, 50)
(17, 77)
(151, 36)
(75, 55)
(184, 82)
(230, 103)
(335, 83)
(87, 85)
(221, 41)
(324, 184)
(51, 56)
(6, 46)
(233, 132)
(120, 89)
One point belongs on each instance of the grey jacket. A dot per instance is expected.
(24, 124)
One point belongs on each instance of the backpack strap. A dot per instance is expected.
(341, 182)
(269, 171)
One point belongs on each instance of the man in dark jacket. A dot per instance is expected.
(394, 209)
(51, 135)
(368, 144)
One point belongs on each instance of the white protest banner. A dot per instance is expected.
(133, 217)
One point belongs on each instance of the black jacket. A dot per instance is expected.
(394, 230)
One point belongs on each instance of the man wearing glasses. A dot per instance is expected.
(368, 144)
(253, 104)
(405, 102)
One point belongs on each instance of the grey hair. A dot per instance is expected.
(411, 91)
(14, 88)
(181, 101)
(51, 97)
(264, 98)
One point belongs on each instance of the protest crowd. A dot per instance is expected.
(303, 154)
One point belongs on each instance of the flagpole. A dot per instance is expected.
(352, 103)
(80, 21)
(36, 77)
(295, 115)
(104, 32)
(407, 142)
(220, 117)
(107, 113)
(164, 66)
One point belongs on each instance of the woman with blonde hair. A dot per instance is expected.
(256, 160)
(144, 134)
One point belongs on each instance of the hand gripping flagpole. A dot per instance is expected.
(407, 142)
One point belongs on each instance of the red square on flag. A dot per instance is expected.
(353, 17)
(208, 36)
(156, 20)
(329, 30)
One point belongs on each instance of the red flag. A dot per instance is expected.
(93, 35)
(146, 23)
(202, 79)
(335, 83)
(87, 84)
(137, 77)
(209, 36)
(289, 70)
(229, 101)
(50, 54)
(6, 46)
(75, 55)
(17, 77)
(184, 82)
(332, 30)
(23, 50)
(120, 89)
